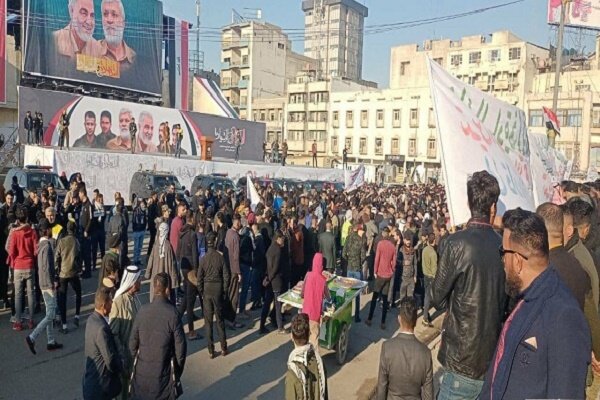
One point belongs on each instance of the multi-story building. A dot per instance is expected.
(334, 36)
(500, 64)
(578, 108)
(307, 114)
(271, 111)
(394, 128)
(256, 62)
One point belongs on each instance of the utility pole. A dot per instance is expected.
(197, 36)
(559, 48)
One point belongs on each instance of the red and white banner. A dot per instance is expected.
(182, 60)
(3, 12)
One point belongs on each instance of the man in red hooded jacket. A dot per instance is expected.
(385, 266)
(313, 292)
(22, 251)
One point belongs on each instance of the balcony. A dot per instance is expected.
(243, 83)
(243, 106)
(431, 153)
(225, 65)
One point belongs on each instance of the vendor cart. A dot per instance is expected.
(337, 315)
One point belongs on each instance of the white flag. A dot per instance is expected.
(251, 193)
(354, 179)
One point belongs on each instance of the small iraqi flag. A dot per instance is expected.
(551, 120)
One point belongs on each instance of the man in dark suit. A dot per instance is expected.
(158, 345)
(327, 246)
(103, 364)
(405, 366)
(544, 348)
(274, 283)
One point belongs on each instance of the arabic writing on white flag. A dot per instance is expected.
(479, 132)
(354, 179)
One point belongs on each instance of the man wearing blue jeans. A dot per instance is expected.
(470, 281)
(139, 223)
(48, 285)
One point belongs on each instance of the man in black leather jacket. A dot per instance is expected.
(470, 283)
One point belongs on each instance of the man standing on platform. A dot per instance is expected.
(28, 125)
(133, 134)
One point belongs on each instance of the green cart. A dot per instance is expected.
(337, 320)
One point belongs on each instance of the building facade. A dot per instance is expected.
(256, 62)
(334, 36)
(307, 117)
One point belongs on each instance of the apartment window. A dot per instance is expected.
(364, 118)
(414, 117)
(336, 119)
(348, 144)
(582, 88)
(395, 146)
(404, 67)
(280, 46)
(271, 115)
(536, 118)
(244, 60)
(243, 100)
(573, 118)
(412, 147)
(378, 146)
(296, 136)
(254, 116)
(362, 148)
(475, 57)
(456, 59)
(514, 53)
(262, 115)
(431, 118)
(380, 117)
(396, 119)
(491, 83)
(440, 60)
(596, 118)
(471, 81)
(431, 148)
(271, 136)
(494, 55)
(349, 119)
(280, 115)
(334, 144)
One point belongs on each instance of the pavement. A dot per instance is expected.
(255, 368)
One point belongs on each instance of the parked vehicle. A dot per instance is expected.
(35, 177)
(143, 183)
(214, 182)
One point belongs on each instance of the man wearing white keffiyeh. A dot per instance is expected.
(305, 378)
(124, 310)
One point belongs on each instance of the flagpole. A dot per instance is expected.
(559, 44)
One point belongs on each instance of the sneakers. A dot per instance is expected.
(76, 321)
(31, 344)
(54, 346)
(17, 326)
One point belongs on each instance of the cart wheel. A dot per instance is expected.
(341, 347)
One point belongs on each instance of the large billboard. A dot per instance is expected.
(114, 43)
(102, 124)
(579, 13)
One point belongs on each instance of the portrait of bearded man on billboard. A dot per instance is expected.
(113, 25)
(76, 38)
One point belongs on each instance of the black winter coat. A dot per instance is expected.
(103, 364)
(470, 282)
(187, 248)
(275, 272)
(157, 340)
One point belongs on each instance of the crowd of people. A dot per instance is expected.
(520, 293)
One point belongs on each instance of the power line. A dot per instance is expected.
(214, 35)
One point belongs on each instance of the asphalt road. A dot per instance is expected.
(254, 369)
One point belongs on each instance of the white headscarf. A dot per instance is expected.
(130, 277)
(163, 232)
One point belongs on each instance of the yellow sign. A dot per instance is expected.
(101, 66)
